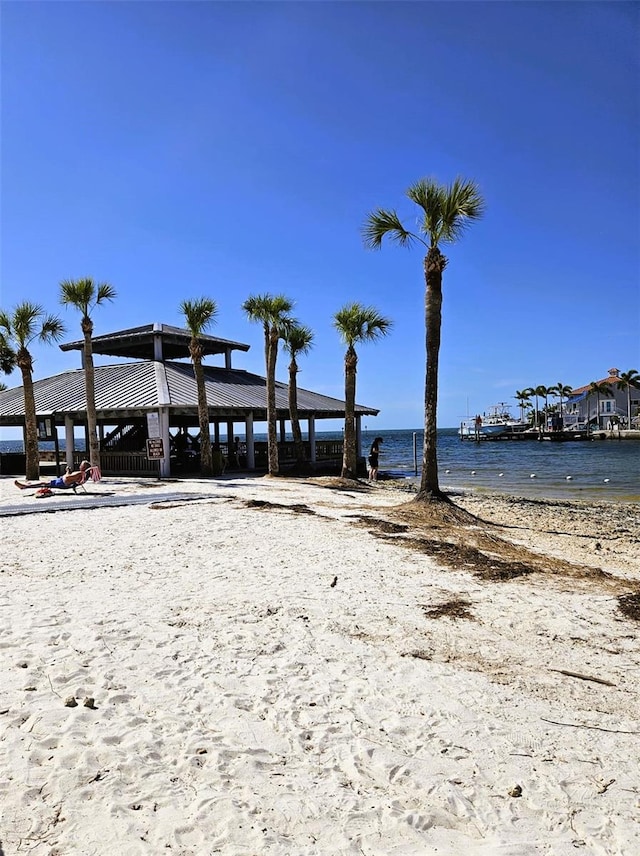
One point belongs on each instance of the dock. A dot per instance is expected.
(539, 436)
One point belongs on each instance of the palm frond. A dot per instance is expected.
(357, 323)
(24, 321)
(381, 223)
(7, 356)
(629, 379)
(461, 204)
(428, 194)
(199, 314)
(267, 308)
(52, 329)
(298, 339)
(105, 292)
(77, 293)
(84, 294)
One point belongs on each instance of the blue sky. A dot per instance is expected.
(185, 149)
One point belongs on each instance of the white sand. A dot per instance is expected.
(245, 706)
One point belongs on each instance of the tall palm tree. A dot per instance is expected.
(28, 322)
(446, 211)
(297, 340)
(355, 324)
(532, 390)
(522, 396)
(562, 391)
(199, 315)
(598, 388)
(85, 295)
(628, 381)
(273, 313)
(544, 392)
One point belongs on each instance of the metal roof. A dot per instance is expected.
(133, 388)
(141, 343)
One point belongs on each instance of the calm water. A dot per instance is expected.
(505, 466)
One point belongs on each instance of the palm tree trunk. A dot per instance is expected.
(206, 463)
(434, 264)
(90, 394)
(349, 454)
(293, 411)
(272, 435)
(32, 467)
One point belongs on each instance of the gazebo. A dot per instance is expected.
(152, 392)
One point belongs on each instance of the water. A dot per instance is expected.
(588, 464)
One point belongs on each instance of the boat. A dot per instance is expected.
(497, 422)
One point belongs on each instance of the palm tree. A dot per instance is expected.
(199, 315)
(533, 390)
(273, 313)
(628, 381)
(446, 211)
(27, 323)
(297, 340)
(562, 391)
(84, 295)
(522, 396)
(543, 392)
(598, 388)
(355, 323)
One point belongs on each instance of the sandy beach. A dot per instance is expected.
(256, 666)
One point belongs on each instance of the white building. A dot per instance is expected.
(603, 403)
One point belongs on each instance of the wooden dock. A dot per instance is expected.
(538, 436)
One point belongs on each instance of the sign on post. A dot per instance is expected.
(46, 428)
(155, 448)
(153, 425)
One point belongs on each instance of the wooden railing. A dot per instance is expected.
(136, 463)
(123, 463)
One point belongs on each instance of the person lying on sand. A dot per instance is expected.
(69, 479)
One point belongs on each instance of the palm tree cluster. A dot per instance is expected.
(445, 212)
(599, 389)
(354, 323)
(29, 322)
(524, 396)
